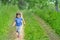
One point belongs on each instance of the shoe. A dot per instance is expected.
(18, 36)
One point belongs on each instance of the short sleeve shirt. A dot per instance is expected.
(18, 21)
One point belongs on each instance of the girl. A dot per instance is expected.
(18, 22)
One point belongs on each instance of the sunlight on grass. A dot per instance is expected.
(6, 17)
(33, 31)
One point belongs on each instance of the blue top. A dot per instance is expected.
(18, 21)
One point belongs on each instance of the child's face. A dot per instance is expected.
(18, 16)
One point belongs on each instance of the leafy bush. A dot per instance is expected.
(6, 16)
(33, 30)
(51, 17)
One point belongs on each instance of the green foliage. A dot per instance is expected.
(22, 4)
(51, 17)
(32, 3)
(6, 16)
(33, 30)
(9, 2)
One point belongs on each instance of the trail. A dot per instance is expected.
(21, 30)
(50, 32)
(13, 34)
(21, 34)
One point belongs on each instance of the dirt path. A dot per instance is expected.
(50, 32)
(21, 34)
(21, 31)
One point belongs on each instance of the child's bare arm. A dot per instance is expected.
(23, 21)
(22, 18)
(14, 24)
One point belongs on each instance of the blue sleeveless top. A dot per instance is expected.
(18, 21)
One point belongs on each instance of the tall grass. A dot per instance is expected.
(6, 16)
(33, 30)
(50, 16)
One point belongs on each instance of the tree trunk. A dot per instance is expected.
(21, 4)
(56, 5)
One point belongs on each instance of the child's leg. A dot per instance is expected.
(21, 34)
(18, 32)
(18, 35)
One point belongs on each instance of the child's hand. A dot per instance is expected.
(24, 22)
(13, 24)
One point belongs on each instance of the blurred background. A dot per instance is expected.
(47, 10)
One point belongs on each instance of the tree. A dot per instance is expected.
(56, 5)
(32, 3)
(21, 4)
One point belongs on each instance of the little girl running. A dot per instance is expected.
(18, 22)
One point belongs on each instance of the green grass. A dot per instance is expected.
(33, 30)
(7, 13)
(50, 16)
